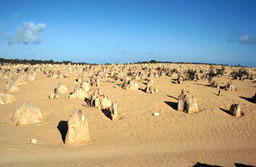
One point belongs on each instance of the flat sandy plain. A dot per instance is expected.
(174, 139)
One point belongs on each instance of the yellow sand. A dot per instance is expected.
(137, 138)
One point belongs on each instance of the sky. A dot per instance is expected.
(124, 31)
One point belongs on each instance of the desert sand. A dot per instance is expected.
(210, 136)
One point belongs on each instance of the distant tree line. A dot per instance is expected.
(33, 62)
(155, 61)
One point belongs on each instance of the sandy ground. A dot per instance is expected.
(137, 139)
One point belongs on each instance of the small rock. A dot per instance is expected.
(156, 114)
(33, 141)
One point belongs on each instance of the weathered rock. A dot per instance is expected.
(85, 86)
(53, 96)
(187, 103)
(114, 114)
(180, 79)
(229, 86)
(181, 100)
(150, 88)
(99, 100)
(235, 110)
(183, 91)
(61, 89)
(31, 76)
(95, 82)
(6, 74)
(219, 93)
(27, 114)
(215, 84)
(78, 93)
(21, 80)
(105, 102)
(78, 131)
(95, 98)
(33, 141)
(130, 85)
(6, 98)
(80, 78)
(11, 87)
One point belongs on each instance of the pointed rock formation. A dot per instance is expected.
(215, 84)
(187, 102)
(60, 90)
(229, 86)
(130, 85)
(150, 88)
(113, 111)
(78, 131)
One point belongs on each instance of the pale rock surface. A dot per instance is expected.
(61, 89)
(6, 98)
(78, 93)
(114, 113)
(33, 141)
(229, 86)
(235, 110)
(130, 85)
(215, 84)
(27, 114)
(78, 131)
(187, 103)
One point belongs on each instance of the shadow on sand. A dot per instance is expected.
(242, 165)
(173, 105)
(248, 99)
(107, 113)
(63, 129)
(143, 90)
(198, 164)
(226, 111)
(172, 97)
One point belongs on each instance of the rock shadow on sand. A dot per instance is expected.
(226, 111)
(198, 164)
(248, 99)
(173, 105)
(63, 129)
(242, 165)
(143, 90)
(107, 113)
(172, 97)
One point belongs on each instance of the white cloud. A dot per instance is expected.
(27, 34)
(247, 39)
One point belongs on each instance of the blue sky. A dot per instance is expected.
(118, 31)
